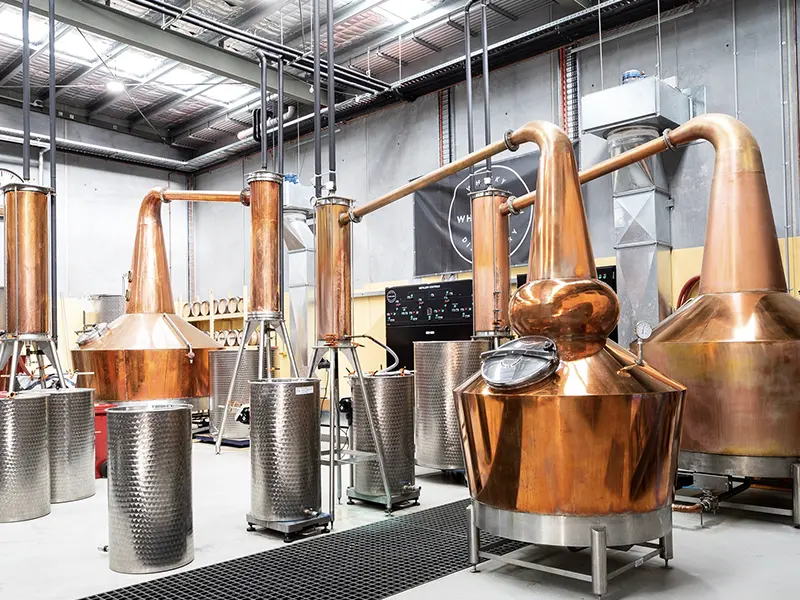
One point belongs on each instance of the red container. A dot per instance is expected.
(100, 440)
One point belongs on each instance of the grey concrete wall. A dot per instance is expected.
(384, 150)
(98, 202)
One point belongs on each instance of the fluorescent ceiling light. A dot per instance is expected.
(115, 86)
(73, 44)
(137, 63)
(183, 78)
(227, 92)
(11, 25)
(402, 10)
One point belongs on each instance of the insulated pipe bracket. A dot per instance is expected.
(668, 141)
(510, 144)
(512, 210)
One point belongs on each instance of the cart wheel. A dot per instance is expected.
(250, 527)
(104, 470)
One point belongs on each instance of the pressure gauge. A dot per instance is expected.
(520, 363)
(643, 330)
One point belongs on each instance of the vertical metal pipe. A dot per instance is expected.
(600, 44)
(796, 494)
(473, 539)
(26, 92)
(262, 60)
(281, 168)
(486, 109)
(787, 227)
(666, 548)
(317, 101)
(735, 62)
(468, 81)
(331, 104)
(53, 166)
(333, 401)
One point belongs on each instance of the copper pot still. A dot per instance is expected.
(150, 353)
(737, 346)
(589, 437)
(27, 265)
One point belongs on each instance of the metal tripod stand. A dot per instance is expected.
(41, 343)
(263, 323)
(336, 457)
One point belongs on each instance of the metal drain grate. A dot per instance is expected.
(366, 563)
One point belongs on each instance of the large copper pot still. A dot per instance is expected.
(596, 441)
(150, 353)
(736, 346)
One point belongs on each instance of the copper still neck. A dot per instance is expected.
(266, 244)
(563, 299)
(334, 284)
(150, 288)
(741, 250)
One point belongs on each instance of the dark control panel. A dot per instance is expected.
(429, 304)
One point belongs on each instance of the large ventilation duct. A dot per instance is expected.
(628, 116)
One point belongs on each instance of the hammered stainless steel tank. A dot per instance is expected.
(440, 367)
(150, 486)
(220, 366)
(284, 449)
(24, 462)
(392, 403)
(70, 422)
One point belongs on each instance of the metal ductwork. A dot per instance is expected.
(628, 116)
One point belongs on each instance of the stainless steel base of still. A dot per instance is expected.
(24, 462)
(392, 404)
(220, 367)
(285, 478)
(150, 486)
(70, 422)
(440, 367)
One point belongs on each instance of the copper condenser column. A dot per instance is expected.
(568, 439)
(27, 276)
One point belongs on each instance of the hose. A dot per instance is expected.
(391, 352)
(687, 289)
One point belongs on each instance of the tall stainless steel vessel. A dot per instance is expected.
(150, 486)
(440, 367)
(220, 365)
(70, 422)
(285, 492)
(24, 462)
(392, 404)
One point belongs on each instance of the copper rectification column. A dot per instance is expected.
(27, 292)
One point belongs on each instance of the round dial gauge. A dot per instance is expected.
(643, 330)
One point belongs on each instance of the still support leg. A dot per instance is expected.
(12, 371)
(248, 331)
(599, 561)
(473, 539)
(51, 352)
(284, 333)
(319, 353)
(337, 428)
(372, 427)
(666, 548)
(796, 494)
(265, 346)
(5, 352)
(333, 400)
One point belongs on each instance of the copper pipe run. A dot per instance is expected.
(150, 289)
(491, 264)
(27, 266)
(265, 244)
(688, 508)
(334, 293)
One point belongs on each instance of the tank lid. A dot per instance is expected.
(520, 363)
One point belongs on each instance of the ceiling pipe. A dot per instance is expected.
(51, 22)
(247, 134)
(331, 105)
(26, 92)
(317, 101)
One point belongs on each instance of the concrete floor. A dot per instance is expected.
(736, 555)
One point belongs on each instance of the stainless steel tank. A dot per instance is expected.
(150, 486)
(392, 406)
(440, 367)
(70, 422)
(24, 466)
(107, 307)
(220, 366)
(284, 450)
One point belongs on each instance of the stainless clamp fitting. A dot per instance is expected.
(509, 144)
(668, 141)
(352, 216)
(510, 205)
(161, 196)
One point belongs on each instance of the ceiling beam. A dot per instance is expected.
(110, 98)
(16, 65)
(502, 11)
(208, 118)
(426, 44)
(340, 16)
(62, 86)
(125, 28)
(173, 100)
